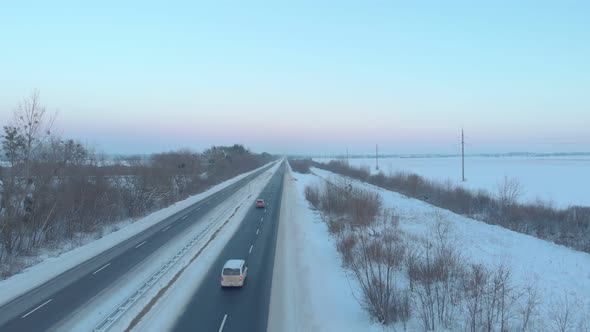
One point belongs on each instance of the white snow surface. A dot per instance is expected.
(51, 267)
(310, 290)
(562, 181)
(317, 294)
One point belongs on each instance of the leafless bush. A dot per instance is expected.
(301, 165)
(312, 194)
(560, 314)
(336, 226)
(507, 296)
(405, 308)
(489, 298)
(364, 206)
(345, 247)
(475, 288)
(334, 200)
(498, 300)
(435, 275)
(529, 304)
(376, 265)
(584, 323)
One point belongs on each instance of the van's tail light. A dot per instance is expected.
(221, 278)
(241, 278)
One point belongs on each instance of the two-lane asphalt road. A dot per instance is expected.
(241, 309)
(46, 305)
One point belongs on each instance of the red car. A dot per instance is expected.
(260, 203)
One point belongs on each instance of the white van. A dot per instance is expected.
(234, 273)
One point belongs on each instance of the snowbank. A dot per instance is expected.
(310, 290)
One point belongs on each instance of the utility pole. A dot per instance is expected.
(377, 156)
(347, 163)
(462, 155)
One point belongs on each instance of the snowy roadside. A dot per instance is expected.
(310, 289)
(558, 273)
(53, 266)
(162, 315)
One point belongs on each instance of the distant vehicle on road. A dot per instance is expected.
(234, 273)
(260, 203)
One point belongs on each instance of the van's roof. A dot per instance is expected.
(233, 263)
(260, 200)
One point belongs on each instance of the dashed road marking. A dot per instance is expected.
(102, 268)
(39, 307)
(251, 247)
(165, 229)
(141, 244)
(258, 230)
(222, 323)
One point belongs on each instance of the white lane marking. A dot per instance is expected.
(165, 229)
(39, 307)
(258, 230)
(184, 217)
(198, 209)
(264, 210)
(222, 323)
(141, 244)
(261, 219)
(251, 247)
(102, 268)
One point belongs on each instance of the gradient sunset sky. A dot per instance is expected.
(304, 76)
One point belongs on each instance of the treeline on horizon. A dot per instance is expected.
(55, 191)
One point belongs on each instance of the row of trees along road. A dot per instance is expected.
(56, 192)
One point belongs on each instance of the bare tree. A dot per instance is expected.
(529, 306)
(509, 191)
(34, 124)
(475, 287)
(561, 314)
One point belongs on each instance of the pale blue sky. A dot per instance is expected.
(304, 76)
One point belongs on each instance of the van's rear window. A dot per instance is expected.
(231, 272)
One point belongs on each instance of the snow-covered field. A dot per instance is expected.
(563, 181)
(52, 266)
(319, 297)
